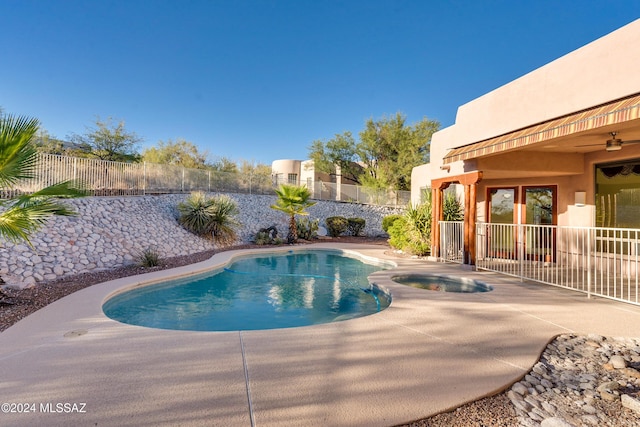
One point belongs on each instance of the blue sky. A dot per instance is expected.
(261, 80)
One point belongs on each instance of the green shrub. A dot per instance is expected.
(336, 225)
(213, 218)
(149, 258)
(452, 208)
(307, 228)
(388, 221)
(398, 233)
(267, 236)
(355, 226)
(262, 238)
(412, 232)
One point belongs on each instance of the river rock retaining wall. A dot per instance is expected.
(111, 232)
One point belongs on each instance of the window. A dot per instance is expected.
(618, 195)
(293, 178)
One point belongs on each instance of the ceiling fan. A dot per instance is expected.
(614, 144)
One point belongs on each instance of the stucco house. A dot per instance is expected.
(321, 184)
(553, 150)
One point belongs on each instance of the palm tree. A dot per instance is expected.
(293, 200)
(25, 214)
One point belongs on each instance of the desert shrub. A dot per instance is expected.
(355, 226)
(336, 225)
(412, 232)
(398, 234)
(263, 238)
(388, 221)
(267, 236)
(213, 218)
(149, 258)
(452, 209)
(307, 228)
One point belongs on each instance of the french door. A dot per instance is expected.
(534, 206)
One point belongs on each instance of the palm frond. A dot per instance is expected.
(293, 200)
(18, 156)
(18, 223)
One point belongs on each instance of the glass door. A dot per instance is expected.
(502, 210)
(539, 212)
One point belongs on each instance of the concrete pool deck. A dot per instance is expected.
(427, 353)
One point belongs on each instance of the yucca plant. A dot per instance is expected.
(213, 218)
(452, 209)
(149, 258)
(293, 200)
(25, 214)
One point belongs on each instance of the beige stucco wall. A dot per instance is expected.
(285, 167)
(571, 83)
(604, 70)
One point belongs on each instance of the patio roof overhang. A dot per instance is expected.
(602, 116)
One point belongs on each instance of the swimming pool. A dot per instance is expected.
(276, 290)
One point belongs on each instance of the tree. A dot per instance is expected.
(255, 176)
(224, 164)
(23, 215)
(390, 149)
(182, 153)
(387, 151)
(45, 143)
(109, 142)
(340, 151)
(293, 200)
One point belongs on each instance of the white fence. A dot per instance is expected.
(358, 194)
(452, 241)
(593, 260)
(105, 178)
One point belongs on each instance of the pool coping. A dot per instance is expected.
(427, 353)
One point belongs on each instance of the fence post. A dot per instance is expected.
(144, 178)
(588, 264)
(209, 184)
(521, 233)
(182, 183)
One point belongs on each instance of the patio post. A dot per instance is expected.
(436, 212)
(470, 181)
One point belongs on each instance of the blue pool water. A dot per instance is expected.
(258, 292)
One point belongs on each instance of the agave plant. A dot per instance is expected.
(213, 218)
(25, 214)
(293, 200)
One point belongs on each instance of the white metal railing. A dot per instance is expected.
(106, 178)
(452, 241)
(358, 194)
(594, 260)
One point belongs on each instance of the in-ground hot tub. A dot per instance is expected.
(434, 282)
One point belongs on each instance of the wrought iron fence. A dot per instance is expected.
(358, 194)
(106, 178)
(594, 260)
(452, 241)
